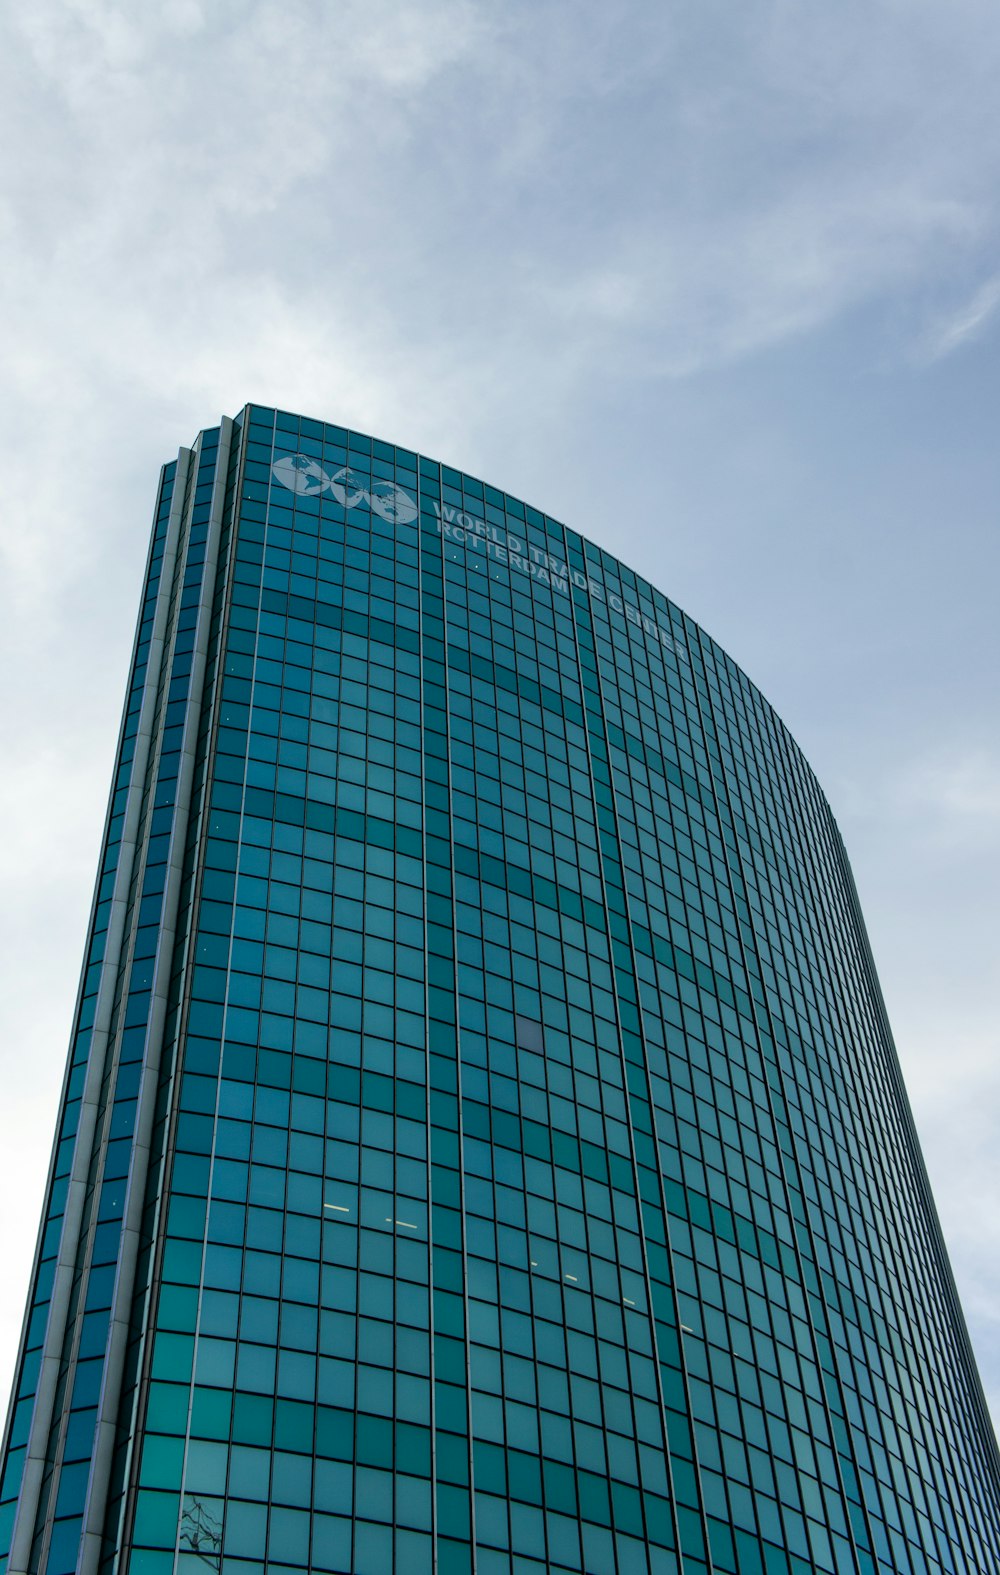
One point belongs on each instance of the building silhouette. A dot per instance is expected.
(482, 1145)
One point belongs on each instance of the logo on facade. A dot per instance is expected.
(302, 474)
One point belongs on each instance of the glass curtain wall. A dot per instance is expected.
(483, 1147)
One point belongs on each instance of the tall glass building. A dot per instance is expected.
(482, 1146)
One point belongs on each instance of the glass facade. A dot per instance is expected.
(482, 1146)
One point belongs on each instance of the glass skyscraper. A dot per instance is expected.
(482, 1146)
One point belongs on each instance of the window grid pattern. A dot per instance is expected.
(534, 1189)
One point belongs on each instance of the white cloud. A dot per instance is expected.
(954, 1083)
(962, 794)
(924, 831)
(948, 795)
(969, 322)
(457, 224)
(678, 193)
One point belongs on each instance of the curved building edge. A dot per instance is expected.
(666, 626)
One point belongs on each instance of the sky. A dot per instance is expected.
(717, 285)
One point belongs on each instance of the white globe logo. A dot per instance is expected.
(305, 475)
(348, 487)
(393, 503)
(301, 473)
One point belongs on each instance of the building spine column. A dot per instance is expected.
(93, 1527)
(41, 1422)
